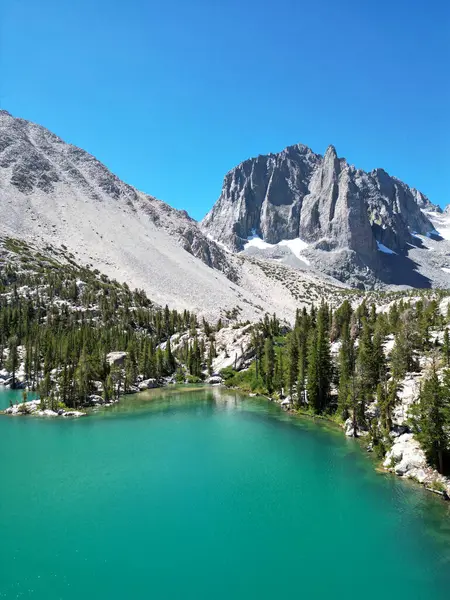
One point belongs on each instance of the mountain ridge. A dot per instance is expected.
(56, 193)
(311, 162)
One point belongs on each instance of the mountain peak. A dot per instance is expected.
(331, 152)
(340, 212)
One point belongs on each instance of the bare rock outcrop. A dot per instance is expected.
(345, 215)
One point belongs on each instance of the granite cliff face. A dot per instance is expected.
(324, 201)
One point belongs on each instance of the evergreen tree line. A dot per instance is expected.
(300, 364)
(65, 320)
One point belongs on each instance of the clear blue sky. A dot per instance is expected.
(172, 94)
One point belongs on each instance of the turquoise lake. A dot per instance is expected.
(201, 494)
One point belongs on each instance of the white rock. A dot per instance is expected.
(348, 428)
(48, 413)
(406, 457)
(233, 348)
(116, 358)
(407, 395)
(95, 399)
(4, 374)
(148, 384)
(18, 409)
(73, 413)
(420, 475)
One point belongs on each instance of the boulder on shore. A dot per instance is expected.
(95, 399)
(406, 457)
(349, 429)
(148, 384)
(4, 374)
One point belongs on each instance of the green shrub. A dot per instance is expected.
(193, 379)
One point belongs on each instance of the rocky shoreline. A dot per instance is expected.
(32, 407)
(405, 458)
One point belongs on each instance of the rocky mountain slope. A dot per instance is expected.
(53, 193)
(340, 217)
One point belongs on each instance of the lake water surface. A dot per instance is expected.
(203, 494)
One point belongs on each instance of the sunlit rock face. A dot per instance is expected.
(323, 201)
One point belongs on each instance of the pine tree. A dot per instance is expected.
(378, 358)
(278, 375)
(323, 357)
(169, 361)
(108, 389)
(365, 370)
(394, 317)
(402, 354)
(83, 378)
(430, 418)
(301, 369)
(269, 363)
(159, 363)
(13, 359)
(211, 357)
(292, 365)
(446, 347)
(312, 384)
(365, 358)
(387, 400)
(346, 368)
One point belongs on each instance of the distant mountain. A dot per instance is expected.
(343, 215)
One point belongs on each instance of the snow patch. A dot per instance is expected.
(255, 241)
(384, 249)
(296, 246)
(446, 269)
(441, 223)
(444, 232)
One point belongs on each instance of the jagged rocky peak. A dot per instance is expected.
(263, 195)
(333, 214)
(321, 199)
